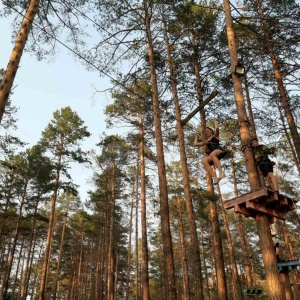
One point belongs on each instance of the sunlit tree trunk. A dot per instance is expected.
(15, 58)
(290, 253)
(28, 265)
(236, 285)
(137, 285)
(264, 232)
(61, 247)
(163, 190)
(50, 230)
(112, 251)
(195, 256)
(183, 256)
(129, 249)
(145, 255)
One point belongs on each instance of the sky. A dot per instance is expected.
(42, 87)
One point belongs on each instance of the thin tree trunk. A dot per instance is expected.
(236, 285)
(17, 271)
(145, 255)
(61, 248)
(50, 231)
(12, 253)
(112, 250)
(163, 190)
(290, 253)
(15, 58)
(184, 259)
(31, 247)
(195, 256)
(129, 249)
(283, 96)
(264, 232)
(137, 293)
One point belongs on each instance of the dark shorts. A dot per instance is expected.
(220, 156)
(265, 167)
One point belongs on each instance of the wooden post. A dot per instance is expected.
(268, 254)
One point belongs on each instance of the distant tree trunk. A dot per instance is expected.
(243, 237)
(15, 58)
(185, 271)
(61, 248)
(50, 230)
(294, 154)
(13, 249)
(217, 242)
(294, 273)
(195, 256)
(145, 255)
(236, 285)
(264, 232)
(129, 249)
(204, 258)
(31, 247)
(249, 106)
(163, 190)
(137, 285)
(17, 276)
(111, 250)
(283, 96)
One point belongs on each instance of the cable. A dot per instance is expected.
(89, 62)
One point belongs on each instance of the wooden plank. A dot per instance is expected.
(242, 210)
(255, 195)
(261, 208)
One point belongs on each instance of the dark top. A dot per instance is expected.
(261, 154)
(212, 145)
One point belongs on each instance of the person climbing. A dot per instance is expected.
(213, 150)
(264, 164)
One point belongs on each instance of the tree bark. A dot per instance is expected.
(145, 255)
(15, 58)
(184, 259)
(13, 249)
(61, 248)
(236, 284)
(195, 255)
(163, 190)
(50, 230)
(269, 258)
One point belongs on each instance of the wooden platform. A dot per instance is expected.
(287, 266)
(262, 201)
(252, 292)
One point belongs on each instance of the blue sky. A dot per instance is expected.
(41, 87)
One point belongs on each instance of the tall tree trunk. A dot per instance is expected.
(50, 230)
(283, 95)
(290, 253)
(137, 285)
(61, 248)
(145, 255)
(13, 249)
(31, 247)
(163, 190)
(195, 256)
(15, 58)
(17, 276)
(184, 259)
(236, 285)
(288, 138)
(112, 250)
(243, 236)
(129, 249)
(218, 252)
(264, 232)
